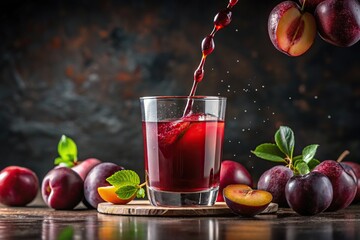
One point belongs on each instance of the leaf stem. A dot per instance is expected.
(290, 164)
(288, 160)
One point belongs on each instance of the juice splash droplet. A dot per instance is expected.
(221, 20)
(207, 45)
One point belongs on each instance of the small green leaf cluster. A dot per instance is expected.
(67, 150)
(282, 151)
(127, 183)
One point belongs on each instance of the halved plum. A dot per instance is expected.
(245, 201)
(291, 30)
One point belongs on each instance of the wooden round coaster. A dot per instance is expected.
(144, 208)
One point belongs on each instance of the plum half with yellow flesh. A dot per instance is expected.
(245, 201)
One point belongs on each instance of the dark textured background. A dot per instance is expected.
(79, 67)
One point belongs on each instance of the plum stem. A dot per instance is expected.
(143, 184)
(303, 6)
(343, 155)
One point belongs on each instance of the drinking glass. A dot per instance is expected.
(183, 142)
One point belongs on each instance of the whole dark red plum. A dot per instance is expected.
(18, 186)
(274, 181)
(338, 21)
(97, 178)
(344, 185)
(232, 172)
(309, 194)
(62, 188)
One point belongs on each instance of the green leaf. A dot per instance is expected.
(127, 191)
(284, 138)
(124, 178)
(297, 159)
(270, 152)
(309, 152)
(140, 193)
(67, 149)
(302, 168)
(313, 163)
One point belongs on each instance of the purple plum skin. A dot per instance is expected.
(18, 186)
(309, 194)
(356, 169)
(274, 181)
(97, 178)
(344, 185)
(84, 167)
(243, 210)
(62, 188)
(232, 172)
(338, 21)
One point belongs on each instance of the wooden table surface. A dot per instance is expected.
(39, 222)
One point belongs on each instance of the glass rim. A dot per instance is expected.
(183, 98)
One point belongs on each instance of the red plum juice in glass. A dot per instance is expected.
(183, 151)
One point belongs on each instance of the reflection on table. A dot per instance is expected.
(44, 223)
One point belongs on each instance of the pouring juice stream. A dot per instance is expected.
(221, 20)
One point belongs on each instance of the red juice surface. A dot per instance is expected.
(183, 155)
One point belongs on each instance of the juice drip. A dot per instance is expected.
(221, 20)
